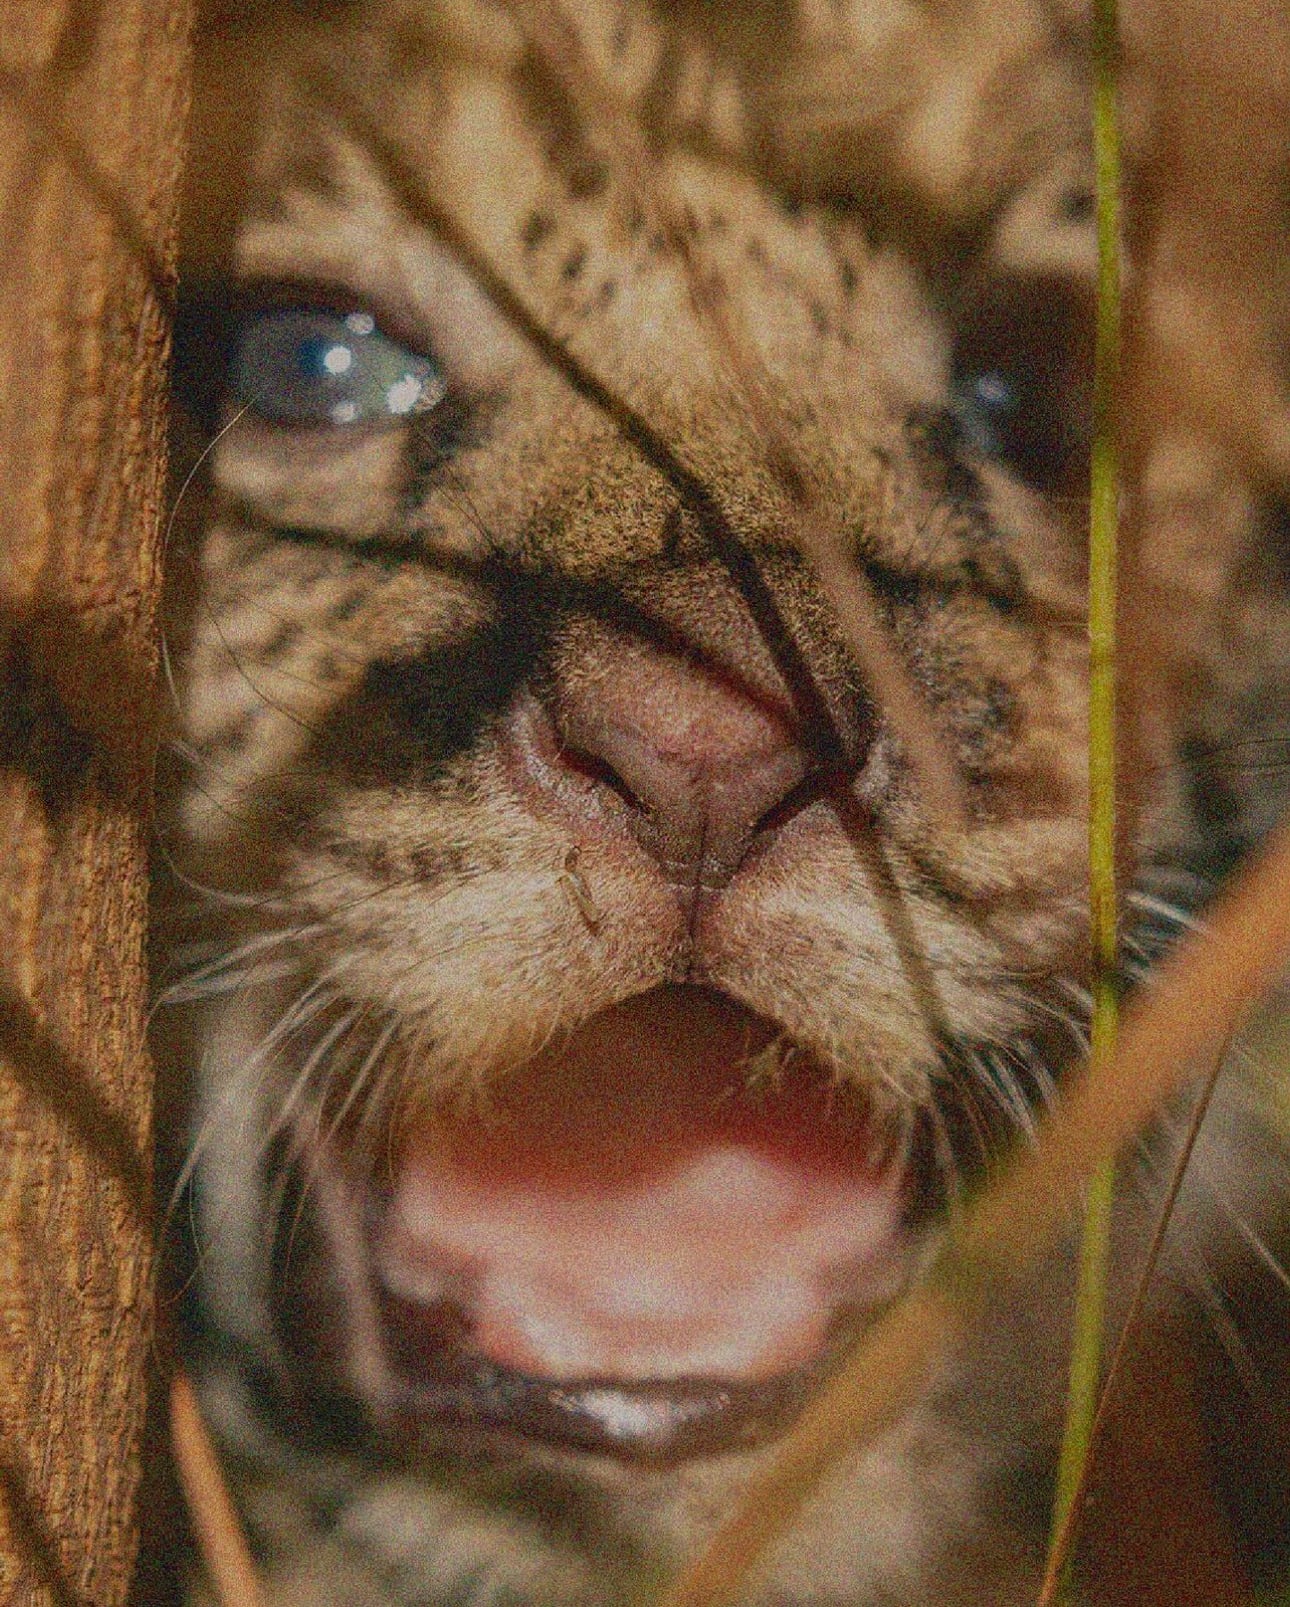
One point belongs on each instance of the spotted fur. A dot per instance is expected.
(361, 619)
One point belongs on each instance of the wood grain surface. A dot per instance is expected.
(92, 105)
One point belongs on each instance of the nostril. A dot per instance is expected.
(653, 777)
(655, 746)
(815, 784)
(596, 772)
(698, 773)
(574, 758)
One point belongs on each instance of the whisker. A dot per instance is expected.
(360, 1079)
(241, 1092)
(167, 667)
(1208, 1291)
(228, 969)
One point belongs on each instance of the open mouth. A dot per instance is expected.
(650, 1242)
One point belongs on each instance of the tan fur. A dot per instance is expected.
(859, 176)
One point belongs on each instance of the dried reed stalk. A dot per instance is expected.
(1194, 1005)
(229, 1568)
(1067, 1519)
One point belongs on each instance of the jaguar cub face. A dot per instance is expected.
(597, 1013)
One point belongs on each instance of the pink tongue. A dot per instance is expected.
(627, 1210)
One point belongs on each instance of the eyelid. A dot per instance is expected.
(258, 296)
(417, 287)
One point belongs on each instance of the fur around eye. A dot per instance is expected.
(310, 366)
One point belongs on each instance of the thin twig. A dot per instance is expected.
(551, 35)
(1066, 1531)
(232, 1573)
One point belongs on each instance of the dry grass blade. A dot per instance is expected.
(1095, 1245)
(553, 38)
(1193, 1007)
(229, 1567)
(1067, 1527)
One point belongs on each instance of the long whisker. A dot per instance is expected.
(240, 1094)
(230, 969)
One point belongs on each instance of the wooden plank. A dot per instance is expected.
(92, 105)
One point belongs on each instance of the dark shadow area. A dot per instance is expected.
(44, 1070)
(38, 1543)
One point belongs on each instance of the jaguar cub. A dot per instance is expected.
(604, 937)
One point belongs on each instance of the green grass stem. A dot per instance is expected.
(1090, 1305)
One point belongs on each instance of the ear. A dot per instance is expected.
(903, 102)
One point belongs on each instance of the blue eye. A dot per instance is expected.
(987, 407)
(308, 366)
(1021, 378)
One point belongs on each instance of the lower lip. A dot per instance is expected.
(656, 1424)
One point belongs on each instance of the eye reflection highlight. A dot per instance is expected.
(306, 366)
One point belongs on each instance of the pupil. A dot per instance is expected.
(320, 358)
(994, 393)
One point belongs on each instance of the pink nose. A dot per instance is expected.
(696, 766)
